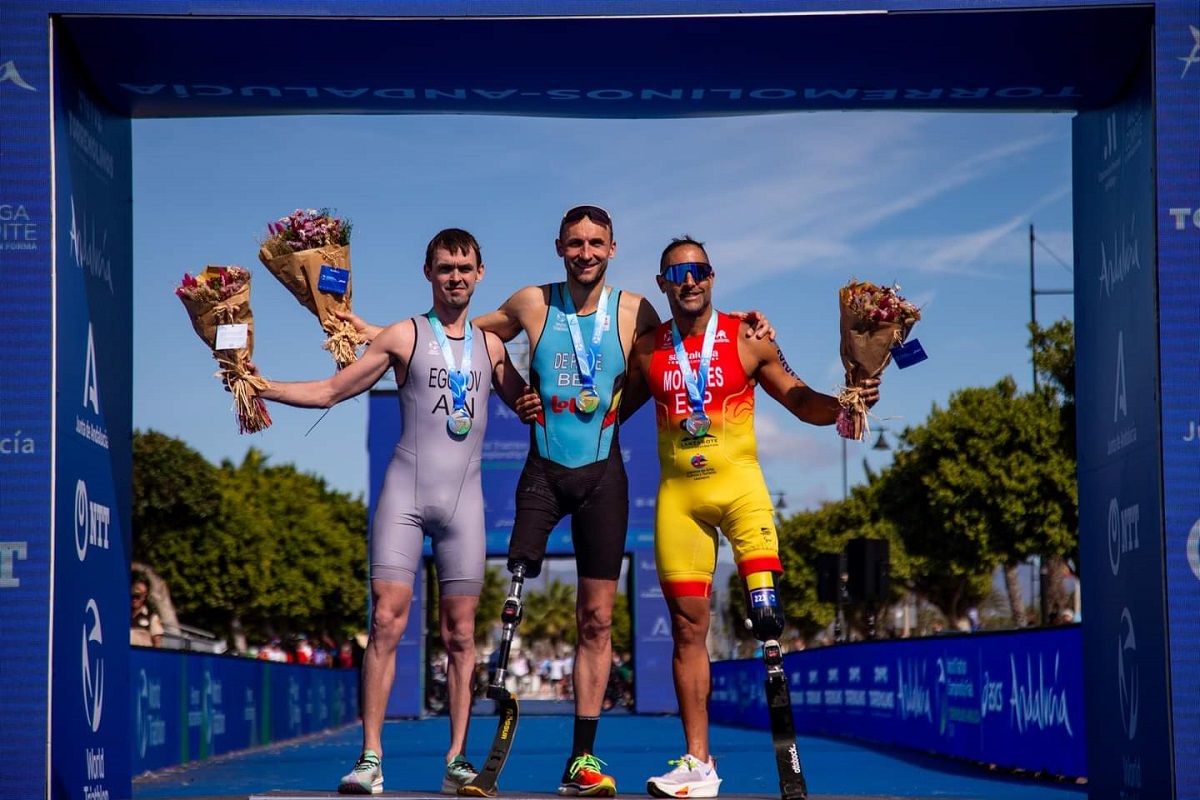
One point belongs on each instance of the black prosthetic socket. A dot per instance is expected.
(766, 622)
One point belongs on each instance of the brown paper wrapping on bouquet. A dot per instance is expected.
(300, 272)
(243, 384)
(866, 349)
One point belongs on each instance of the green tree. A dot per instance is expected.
(1054, 363)
(175, 490)
(982, 483)
(622, 625)
(277, 552)
(550, 614)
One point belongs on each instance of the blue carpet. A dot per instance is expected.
(634, 748)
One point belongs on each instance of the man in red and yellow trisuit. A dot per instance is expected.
(701, 370)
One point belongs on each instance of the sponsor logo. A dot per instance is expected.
(914, 695)
(1127, 675)
(558, 406)
(1122, 532)
(1191, 58)
(699, 461)
(1038, 702)
(677, 95)
(9, 74)
(1128, 436)
(1193, 551)
(81, 126)
(11, 552)
(434, 349)
(721, 336)
(93, 665)
(794, 758)
(17, 231)
(150, 729)
(661, 629)
(94, 432)
(1124, 133)
(89, 253)
(991, 699)
(1118, 263)
(91, 522)
(1183, 216)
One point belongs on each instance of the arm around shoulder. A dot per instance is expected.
(508, 320)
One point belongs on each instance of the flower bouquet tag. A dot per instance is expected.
(232, 337)
(909, 353)
(333, 280)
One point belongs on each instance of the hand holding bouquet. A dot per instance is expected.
(309, 252)
(874, 319)
(218, 301)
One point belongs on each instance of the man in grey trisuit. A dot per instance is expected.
(445, 368)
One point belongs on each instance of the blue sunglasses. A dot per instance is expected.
(677, 273)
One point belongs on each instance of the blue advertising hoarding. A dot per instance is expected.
(1012, 699)
(93, 486)
(1177, 87)
(189, 707)
(1119, 452)
(26, 340)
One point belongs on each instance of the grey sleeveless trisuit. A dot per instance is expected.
(432, 485)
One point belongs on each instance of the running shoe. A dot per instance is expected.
(690, 778)
(365, 778)
(459, 772)
(583, 778)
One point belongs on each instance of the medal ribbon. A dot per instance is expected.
(457, 375)
(696, 382)
(586, 358)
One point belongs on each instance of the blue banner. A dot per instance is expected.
(1013, 699)
(654, 687)
(1119, 449)
(187, 707)
(93, 484)
(26, 381)
(1177, 88)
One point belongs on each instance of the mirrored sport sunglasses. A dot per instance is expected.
(594, 213)
(677, 273)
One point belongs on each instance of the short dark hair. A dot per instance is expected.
(676, 243)
(453, 241)
(595, 213)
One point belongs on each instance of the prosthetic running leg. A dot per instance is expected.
(484, 784)
(766, 621)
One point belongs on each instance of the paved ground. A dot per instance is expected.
(634, 748)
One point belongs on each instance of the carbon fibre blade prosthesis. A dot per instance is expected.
(792, 785)
(484, 784)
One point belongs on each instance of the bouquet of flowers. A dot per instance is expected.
(218, 301)
(309, 252)
(874, 319)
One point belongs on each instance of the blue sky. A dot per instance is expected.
(790, 206)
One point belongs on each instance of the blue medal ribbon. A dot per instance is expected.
(586, 357)
(459, 421)
(696, 382)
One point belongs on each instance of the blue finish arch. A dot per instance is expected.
(73, 73)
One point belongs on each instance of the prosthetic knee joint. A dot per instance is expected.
(765, 614)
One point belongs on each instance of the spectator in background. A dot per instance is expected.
(145, 628)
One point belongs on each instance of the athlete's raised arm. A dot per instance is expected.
(391, 347)
(510, 318)
(765, 363)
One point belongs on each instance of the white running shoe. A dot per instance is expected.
(365, 778)
(690, 778)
